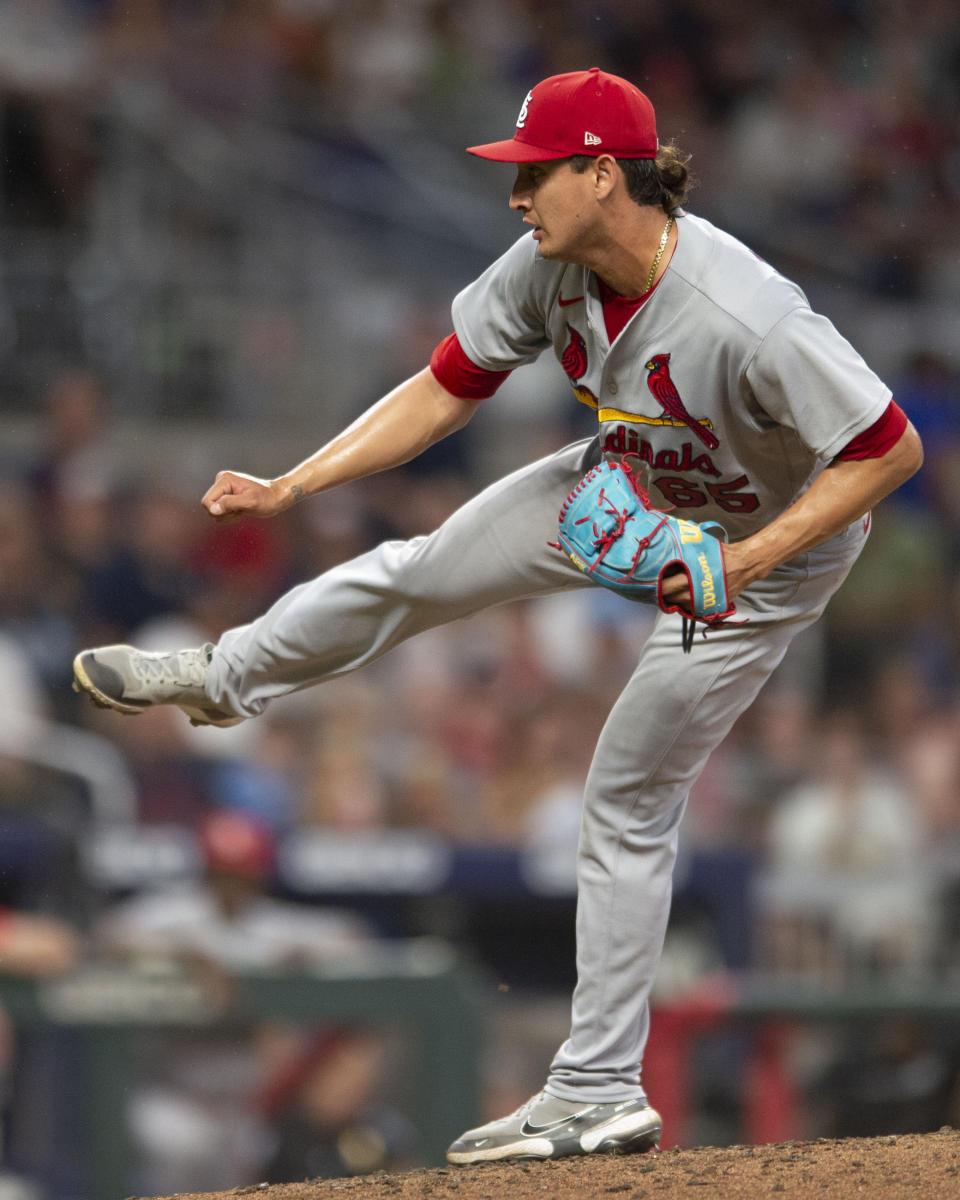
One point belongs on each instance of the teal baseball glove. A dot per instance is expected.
(610, 531)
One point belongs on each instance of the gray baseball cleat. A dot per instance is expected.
(548, 1127)
(131, 681)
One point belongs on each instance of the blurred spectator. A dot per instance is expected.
(229, 920)
(38, 1157)
(75, 455)
(36, 945)
(893, 603)
(345, 789)
(266, 778)
(535, 798)
(773, 749)
(198, 1117)
(150, 572)
(48, 73)
(237, 570)
(172, 780)
(218, 59)
(25, 708)
(42, 814)
(801, 190)
(846, 888)
(46, 904)
(326, 1103)
(930, 392)
(37, 595)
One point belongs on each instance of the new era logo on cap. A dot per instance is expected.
(565, 113)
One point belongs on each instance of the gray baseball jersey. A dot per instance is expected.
(734, 394)
(726, 385)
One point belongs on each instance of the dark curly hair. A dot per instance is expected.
(663, 182)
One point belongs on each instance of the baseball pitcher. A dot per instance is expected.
(740, 445)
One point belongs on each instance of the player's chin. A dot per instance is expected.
(554, 249)
(544, 246)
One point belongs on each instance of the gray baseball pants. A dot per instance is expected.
(673, 712)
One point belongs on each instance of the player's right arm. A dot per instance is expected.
(499, 323)
(396, 429)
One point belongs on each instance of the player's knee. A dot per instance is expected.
(636, 813)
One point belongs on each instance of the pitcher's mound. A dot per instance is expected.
(921, 1166)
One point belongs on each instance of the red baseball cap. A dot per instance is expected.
(581, 112)
(236, 844)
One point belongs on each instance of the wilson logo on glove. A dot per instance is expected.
(609, 531)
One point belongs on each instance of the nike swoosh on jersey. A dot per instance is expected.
(563, 303)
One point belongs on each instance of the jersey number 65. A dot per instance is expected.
(681, 493)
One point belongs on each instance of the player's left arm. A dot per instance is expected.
(844, 491)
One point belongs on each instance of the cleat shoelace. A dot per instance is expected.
(177, 670)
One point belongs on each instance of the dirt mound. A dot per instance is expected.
(926, 1165)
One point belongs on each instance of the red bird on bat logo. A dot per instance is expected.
(574, 360)
(665, 391)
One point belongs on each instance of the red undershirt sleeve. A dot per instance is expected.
(460, 376)
(882, 435)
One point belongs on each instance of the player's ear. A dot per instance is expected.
(606, 172)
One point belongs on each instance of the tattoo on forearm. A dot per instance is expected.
(297, 493)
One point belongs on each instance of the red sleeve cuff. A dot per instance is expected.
(459, 375)
(882, 435)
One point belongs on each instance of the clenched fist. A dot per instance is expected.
(235, 494)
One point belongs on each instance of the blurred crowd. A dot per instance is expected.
(829, 128)
(828, 135)
(208, 166)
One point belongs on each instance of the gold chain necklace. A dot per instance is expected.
(664, 237)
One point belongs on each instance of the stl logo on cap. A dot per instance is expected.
(565, 113)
